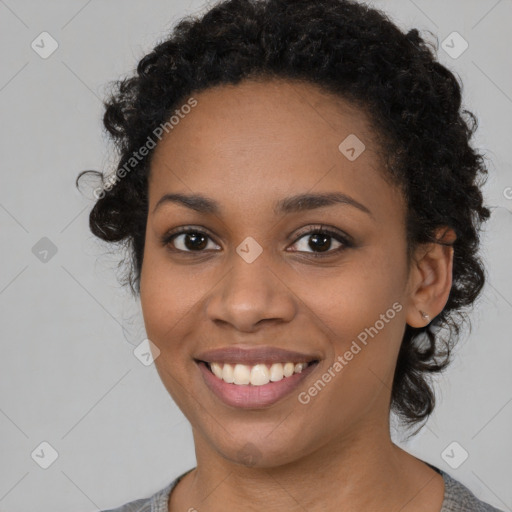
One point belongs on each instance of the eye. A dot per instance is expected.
(190, 239)
(187, 240)
(320, 240)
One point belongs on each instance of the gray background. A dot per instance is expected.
(68, 373)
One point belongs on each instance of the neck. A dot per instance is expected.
(362, 470)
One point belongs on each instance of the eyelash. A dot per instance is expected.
(167, 239)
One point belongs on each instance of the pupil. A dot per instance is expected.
(320, 242)
(323, 238)
(195, 237)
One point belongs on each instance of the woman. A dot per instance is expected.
(303, 208)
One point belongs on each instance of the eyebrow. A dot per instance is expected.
(292, 204)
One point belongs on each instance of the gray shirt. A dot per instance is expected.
(457, 498)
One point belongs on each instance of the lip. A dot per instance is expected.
(252, 397)
(254, 355)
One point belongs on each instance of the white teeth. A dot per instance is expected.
(260, 375)
(298, 368)
(216, 369)
(242, 374)
(288, 369)
(276, 372)
(257, 375)
(227, 373)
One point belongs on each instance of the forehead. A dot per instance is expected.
(258, 140)
(245, 117)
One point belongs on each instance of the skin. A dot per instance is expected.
(248, 146)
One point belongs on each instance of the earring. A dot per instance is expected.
(424, 315)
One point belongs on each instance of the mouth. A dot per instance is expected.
(258, 374)
(254, 377)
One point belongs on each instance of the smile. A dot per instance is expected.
(256, 375)
(252, 386)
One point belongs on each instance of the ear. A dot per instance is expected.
(430, 279)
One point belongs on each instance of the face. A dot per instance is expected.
(326, 280)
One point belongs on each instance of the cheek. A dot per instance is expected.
(165, 303)
(167, 310)
(360, 311)
(347, 302)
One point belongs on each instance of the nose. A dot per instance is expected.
(249, 295)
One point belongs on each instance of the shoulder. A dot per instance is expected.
(458, 498)
(157, 502)
(141, 505)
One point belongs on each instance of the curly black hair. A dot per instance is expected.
(360, 55)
